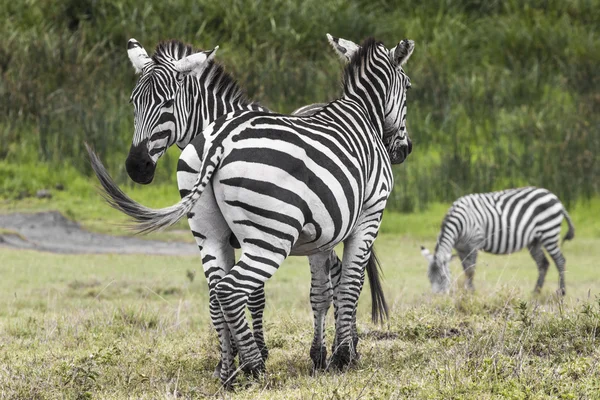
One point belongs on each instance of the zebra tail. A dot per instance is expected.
(148, 219)
(571, 232)
(379, 307)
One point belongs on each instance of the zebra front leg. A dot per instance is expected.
(468, 259)
(256, 305)
(321, 295)
(542, 263)
(357, 251)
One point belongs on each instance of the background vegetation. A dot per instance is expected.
(505, 93)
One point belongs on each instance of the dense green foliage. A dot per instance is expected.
(505, 93)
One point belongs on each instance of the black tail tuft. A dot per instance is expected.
(379, 307)
(113, 195)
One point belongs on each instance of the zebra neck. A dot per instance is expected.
(372, 111)
(445, 242)
(363, 86)
(210, 96)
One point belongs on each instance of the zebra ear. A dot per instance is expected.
(138, 56)
(402, 52)
(425, 252)
(196, 62)
(344, 48)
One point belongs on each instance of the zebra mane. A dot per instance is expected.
(169, 50)
(353, 67)
(221, 80)
(224, 83)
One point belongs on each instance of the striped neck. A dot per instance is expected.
(447, 238)
(204, 99)
(365, 82)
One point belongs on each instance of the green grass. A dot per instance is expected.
(117, 326)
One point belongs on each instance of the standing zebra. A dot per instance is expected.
(178, 94)
(500, 223)
(290, 185)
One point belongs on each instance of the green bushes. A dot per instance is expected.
(504, 93)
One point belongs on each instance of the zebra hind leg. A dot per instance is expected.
(357, 250)
(542, 263)
(321, 295)
(256, 305)
(336, 272)
(554, 250)
(355, 338)
(233, 291)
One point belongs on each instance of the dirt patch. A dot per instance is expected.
(51, 231)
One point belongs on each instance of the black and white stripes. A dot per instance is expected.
(299, 185)
(500, 223)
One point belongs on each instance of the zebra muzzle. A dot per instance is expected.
(139, 165)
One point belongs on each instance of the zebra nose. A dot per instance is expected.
(139, 165)
(409, 146)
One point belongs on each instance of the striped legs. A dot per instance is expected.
(256, 305)
(542, 262)
(551, 246)
(321, 295)
(336, 273)
(468, 258)
(357, 250)
(217, 257)
(233, 292)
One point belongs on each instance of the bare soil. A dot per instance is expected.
(52, 232)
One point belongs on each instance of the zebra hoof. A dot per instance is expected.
(228, 378)
(342, 357)
(318, 355)
(254, 368)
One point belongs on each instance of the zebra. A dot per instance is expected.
(179, 92)
(329, 178)
(500, 223)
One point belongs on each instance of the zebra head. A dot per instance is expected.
(438, 271)
(161, 77)
(395, 134)
(388, 62)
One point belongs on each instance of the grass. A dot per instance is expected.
(122, 326)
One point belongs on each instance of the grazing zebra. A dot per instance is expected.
(178, 94)
(288, 185)
(500, 223)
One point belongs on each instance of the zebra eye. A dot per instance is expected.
(169, 103)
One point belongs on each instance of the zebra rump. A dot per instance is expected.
(146, 219)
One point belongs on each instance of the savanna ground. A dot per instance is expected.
(133, 326)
